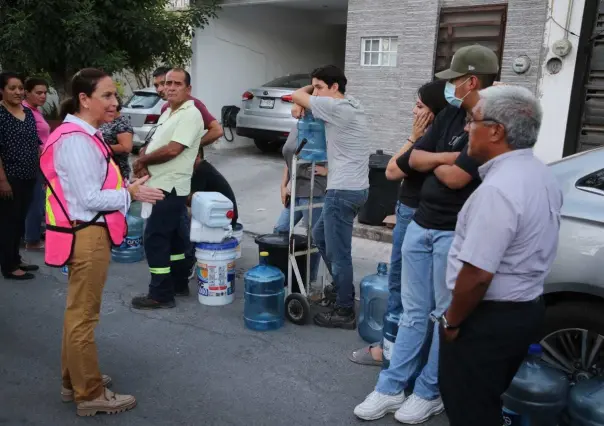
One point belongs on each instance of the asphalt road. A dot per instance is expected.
(192, 365)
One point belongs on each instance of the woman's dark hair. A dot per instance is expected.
(32, 82)
(120, 104)
(84, 81)
(6, 76)
(331, 74)
(433, 96)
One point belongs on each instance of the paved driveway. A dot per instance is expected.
(193, 365)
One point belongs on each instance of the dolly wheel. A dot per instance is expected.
(297, 309)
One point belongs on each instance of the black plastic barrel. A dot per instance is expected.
(276, 246)
(383, 193)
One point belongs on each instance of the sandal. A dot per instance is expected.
(363, 356)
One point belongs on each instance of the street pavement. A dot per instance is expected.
(192, 365)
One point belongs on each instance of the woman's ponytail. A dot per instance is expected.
(68, 106)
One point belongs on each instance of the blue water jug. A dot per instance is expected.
(313, 130)
(132, 249)
(374, 304)
(586, 403)
(264, 296)
(538, 394)
(391, 322)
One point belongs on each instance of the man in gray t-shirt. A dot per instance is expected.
(347, 182)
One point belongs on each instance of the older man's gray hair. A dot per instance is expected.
(517, 109)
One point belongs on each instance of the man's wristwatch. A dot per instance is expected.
(444, 323)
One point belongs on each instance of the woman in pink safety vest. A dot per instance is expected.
(86, 202)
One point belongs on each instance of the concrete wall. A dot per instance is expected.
(554, 90)
(250, 45)
(389, 93)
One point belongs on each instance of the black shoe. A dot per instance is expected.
(28, 268)
(329, 297)
(145, 302)
(26, 276)
(338, 318)
(182, 293)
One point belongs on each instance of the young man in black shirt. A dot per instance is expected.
(442, 151)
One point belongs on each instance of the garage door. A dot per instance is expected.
(592, 123)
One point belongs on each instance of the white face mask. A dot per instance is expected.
(450, 89)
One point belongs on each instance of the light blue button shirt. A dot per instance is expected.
(82, 169)
(509, 227)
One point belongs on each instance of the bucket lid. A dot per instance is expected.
(379, 160)
(229, 244)
(280, 240)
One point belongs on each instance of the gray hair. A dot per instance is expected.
(517, 109)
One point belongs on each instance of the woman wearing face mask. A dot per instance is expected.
(36, 90)
(430, 101)
(19, 148)
(85, 214)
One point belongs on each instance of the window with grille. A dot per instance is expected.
(464, 26)
(379, 51)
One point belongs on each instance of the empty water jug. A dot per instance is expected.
(132, 249)
(264, 296)
(391, 322)
(537, 395)
(313, 130)
(586, 403)
(374, 303)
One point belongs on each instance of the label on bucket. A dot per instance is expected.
(216, 280)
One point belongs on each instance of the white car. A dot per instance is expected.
(143, 110)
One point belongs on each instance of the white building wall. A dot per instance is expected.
(250, 45)
(554, 90)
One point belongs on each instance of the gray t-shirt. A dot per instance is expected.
(304, 170)
(347, 137)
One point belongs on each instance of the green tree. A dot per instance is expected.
(59, 37)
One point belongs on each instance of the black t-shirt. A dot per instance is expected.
(439, 204)
(409, 191)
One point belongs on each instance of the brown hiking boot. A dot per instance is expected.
(67, 394)
(108, 403)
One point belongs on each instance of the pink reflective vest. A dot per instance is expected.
(60, 229)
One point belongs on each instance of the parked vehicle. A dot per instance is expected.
(265, 114)
(573, 339)
(143, 110)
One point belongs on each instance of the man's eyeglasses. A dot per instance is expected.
(470, 120)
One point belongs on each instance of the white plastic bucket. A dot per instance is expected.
(216, 272)
(238, 235)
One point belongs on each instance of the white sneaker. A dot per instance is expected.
(416, 410)
(377, 405)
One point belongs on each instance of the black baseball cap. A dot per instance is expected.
(475, 59)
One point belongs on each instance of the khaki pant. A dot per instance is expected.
(87, 275)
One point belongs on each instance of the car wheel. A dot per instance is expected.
(267, 145)
(573, 340)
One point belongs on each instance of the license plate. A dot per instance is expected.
(267, 103)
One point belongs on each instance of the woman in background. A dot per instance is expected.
(118, 134)
(430, 101)
(36, 90)
(19, 165)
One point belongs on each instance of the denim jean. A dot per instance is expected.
(404, 215)
(35, 213)
(424, 292)
(333, 236)
(282, 226)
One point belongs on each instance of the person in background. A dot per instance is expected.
(497, 276)
(347, 137)
(19, 166)
(86, 207)
(118, 134)
(452, 176)
(302, 194)
(169, 159)
(36, 90)
(206, 178)
(430, 102)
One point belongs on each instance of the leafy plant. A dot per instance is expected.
(60, 37)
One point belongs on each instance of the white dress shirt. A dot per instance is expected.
(81, 169)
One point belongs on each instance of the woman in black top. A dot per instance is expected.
(19, 164)
(430, 101)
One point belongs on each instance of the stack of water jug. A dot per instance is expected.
(215, 248)
(539, 395)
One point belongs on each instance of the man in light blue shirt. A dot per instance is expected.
(505, 243)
